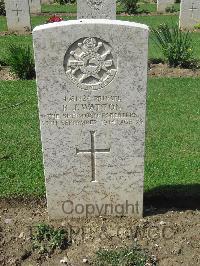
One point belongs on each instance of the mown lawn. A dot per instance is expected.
(172, 142)
(151, 21)
(57, 8)
(21, 169)
(72, 8)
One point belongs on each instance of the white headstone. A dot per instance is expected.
(35, 6)
(189, 14)
(163, 4)
(104, 9)
(18, 15)
(92, 102)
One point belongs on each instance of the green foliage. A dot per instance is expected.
(2, 8)
(20, 59)
(63, 2)
(46, 239)
(197, 26)
(171, 9)
(122, 257)
(175, 45)
(130, 6)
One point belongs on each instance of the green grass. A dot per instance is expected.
(121, 257)
(172, 144)
(152, 7)
(151, 21)
(21, 170)
(56, 8)
(173, 139)
(35, 21)
(149, 7)
(5, 41)
(3, 25)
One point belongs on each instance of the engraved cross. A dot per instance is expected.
(17, 10)
(192, 9)
(93, 151)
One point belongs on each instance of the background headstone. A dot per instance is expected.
(92, 102)
(163, 4)
(96, 9)
(18, 15)
(35, 6)
(189, 14)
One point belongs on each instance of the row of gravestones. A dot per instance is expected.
(91, 80)
(189, 12)
(18, 13)
(92, 84)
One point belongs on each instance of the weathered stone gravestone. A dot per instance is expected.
(163, 4)
(96, 9)
(18, 15)
(35, 6)
(189, 14)
(92, 101)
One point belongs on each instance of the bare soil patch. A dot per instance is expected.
(172, 236)
(5, 74)
(5, 33)
(163, 70)
(155, 70)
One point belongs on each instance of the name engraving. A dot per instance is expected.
(87, 110)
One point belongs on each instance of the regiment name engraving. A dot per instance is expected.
(87, 110)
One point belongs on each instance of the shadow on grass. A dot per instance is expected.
(169, 197)
(156, 201)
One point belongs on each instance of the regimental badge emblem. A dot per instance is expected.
(96, 4)
(90, 63)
